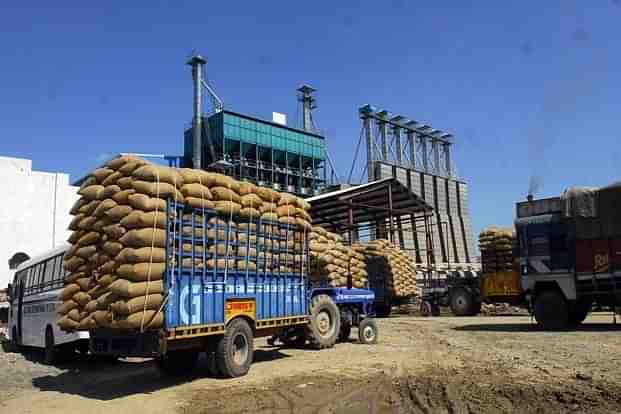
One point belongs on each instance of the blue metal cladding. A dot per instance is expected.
(197, 294)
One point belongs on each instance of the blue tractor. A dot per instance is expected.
(332, 314)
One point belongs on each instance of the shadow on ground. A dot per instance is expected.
(104, 380)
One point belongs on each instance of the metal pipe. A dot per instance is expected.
(366, 124)
(197, 62)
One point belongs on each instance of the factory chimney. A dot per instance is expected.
(305, 96)
(197, 62)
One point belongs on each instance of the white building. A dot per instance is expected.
(34, 211)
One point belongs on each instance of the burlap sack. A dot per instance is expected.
(221, 264)
(97, 291)
(222, 249)
(112, 247)
(287, 199)
(68, 291)
(149, 320)
(303, 214)
(144, 238)
(303, 223)
(92, 192)
(104, 206)
(118, 212)
(138, 304)
(122, 196)
(251, 200)
(120, 161)
(140, 255)
(161, 190)
(114, 231)
(141, 219)
(105, 300)
(102, 222)
(268, 207)
(81, 298)
(269, 195)
(85, 283)
(129, 168)
(126, 289)
(100, 174)
(221, 180)
(145, 203)
(73, 263)
(87, 323)
(243, 251)
(102, 318)
(158, 173)
(67, 324)
(197, 191)
(75, 222)
(269, 217)
(227, 208)
(91, 306)
(199, 203)
(107, 279)
(250, 266)
(249, 213)
(225, 194)
(66, 306)
(125, 183)
(247, 227)
(141, 272)
(75, 208)
(287, 220)
(87, 222)
(74, 314)
(112, 179)
(247, 188)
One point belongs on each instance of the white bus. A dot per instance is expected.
(34, 297)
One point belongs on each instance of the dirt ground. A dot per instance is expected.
(421, 365)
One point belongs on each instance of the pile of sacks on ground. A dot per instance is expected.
(496, 245)
(332, 261)
(385, 260)
(118, 252)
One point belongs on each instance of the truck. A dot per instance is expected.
(570, 254)
(221, 310)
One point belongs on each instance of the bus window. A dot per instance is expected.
(48, 274)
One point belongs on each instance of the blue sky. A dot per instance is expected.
(528, 88)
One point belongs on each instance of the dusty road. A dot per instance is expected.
(427, 365)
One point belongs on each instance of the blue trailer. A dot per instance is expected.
(229, 280)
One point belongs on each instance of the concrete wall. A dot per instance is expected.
(34, 212)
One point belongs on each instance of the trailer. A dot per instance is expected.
(220, 310)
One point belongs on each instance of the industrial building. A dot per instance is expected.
(34, 214)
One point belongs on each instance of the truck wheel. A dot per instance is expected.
(579, 312)
(235, 350)
(177, 363)
(344, 332)
(50, 349)
(551, 311)
(461, 302)
(367, 331)
(325, 322)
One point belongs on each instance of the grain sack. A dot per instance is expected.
(67, 324)
(249, 213)
(227, 208)
(251, 200)
(140, 219)
(118, 212)
(125, 183)
(287, 199)
(269, 217)
(104, 206)
(114, 231)
(75, 208)
(221, 264)
(112, 179)
(73, 263)
(161, 190)
(92, 192)
(81, 298)
(68, 291)
(145, 203)
(119, 162)
(122, 196)
(200, 203)
(141, 272)
(102, 318)
(143, 254)
(106, 279)
(75, 222)
(225, 194)
(158, 174)
(127, 307)
(221, 180)
(144, 238)
(269, 195)
(197, 191)
(112, 248)
(87, 222)
(127, 289)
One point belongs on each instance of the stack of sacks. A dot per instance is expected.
(385, 260)
(333, 261)
(496, 245)
(118, 255)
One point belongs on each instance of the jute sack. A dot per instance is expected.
(142, 254)
(141, 272)
(144, 238)
(91, 306)
(227, 208)
(269, 195)
(137, 304)
(75, 208)
(114, 231)
(157, 173)
(86, 323)
(101, 223)
(74, 314)
(108, 267)
(149, 320)
(125, 183)
(221, 264)
(120, 161)
(88, 208)
(251, 200)
(66, 306)
(96, 291)
(145, 203)
(85, 283)
(222, 249)
(162, 190)
(104, 206)
(243, 265)
(287, 199)
(200, 203)
(127, 289)
(140, 219)
(221, 180)
(106, 279)
(100, 174)
(102, 318)
(81, 298)
(68, 291)
(122, 196)
(269, 217)
(75, 222)
(86, 251)
(249, 213)
(118, 212)
(67, 324)
(225, 194)
(105, 300)
(92, 192)
(87, 222)
(112, 248)
(196, 190)
(112, 179)
(73, 263)
(286, 211)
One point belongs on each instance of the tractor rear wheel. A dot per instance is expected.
(325, 322)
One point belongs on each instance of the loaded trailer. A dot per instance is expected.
(217, 302)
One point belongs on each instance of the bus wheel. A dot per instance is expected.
(50, 348)
(551, 311)
(325, 322)
(235, 350)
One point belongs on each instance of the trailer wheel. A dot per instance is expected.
(462, 302)
(551, 311)
(325, 323)
(235, 350)
(367, 331)
(177, 363)
(50, 349)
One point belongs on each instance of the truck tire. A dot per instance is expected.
(51, 352)
(177, 363)
(551, 311)
(235, 350)
(462, 302)
(367, 331)
(325, 323)
(579, 311)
